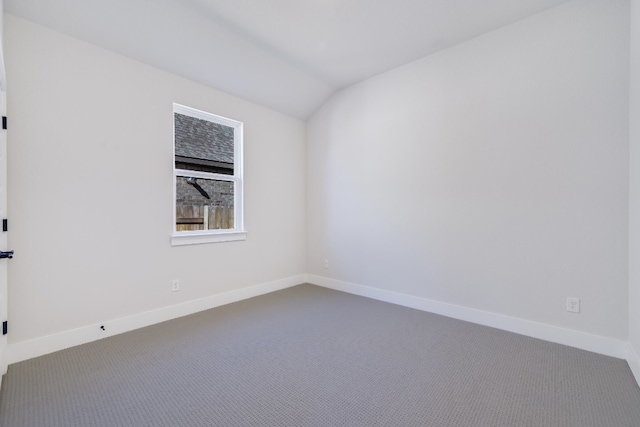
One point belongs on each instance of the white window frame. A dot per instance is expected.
(179, 238)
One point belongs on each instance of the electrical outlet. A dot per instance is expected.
(326, 264)
(573, 305)
(175, 285)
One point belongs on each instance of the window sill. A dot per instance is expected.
(197, 238)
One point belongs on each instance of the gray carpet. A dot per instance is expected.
(309, 356)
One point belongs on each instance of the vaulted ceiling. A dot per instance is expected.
(288, 55)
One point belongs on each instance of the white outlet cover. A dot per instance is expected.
(573, 305)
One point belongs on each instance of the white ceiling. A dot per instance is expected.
(289, 55)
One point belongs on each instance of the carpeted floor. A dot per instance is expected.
(309, 356)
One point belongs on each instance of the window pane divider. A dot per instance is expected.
(205, 175)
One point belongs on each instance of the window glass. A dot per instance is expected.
(207, 172)
(204, 204)
(203, 145)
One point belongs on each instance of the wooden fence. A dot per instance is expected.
(194, 217)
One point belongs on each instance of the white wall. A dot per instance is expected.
(90, 188)
(492, 175)
(634, 193)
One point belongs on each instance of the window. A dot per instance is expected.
(207, 177)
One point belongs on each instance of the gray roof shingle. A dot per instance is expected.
(202, 139)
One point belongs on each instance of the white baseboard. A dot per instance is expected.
(633, 359)
(28, 349)
(582, 340)
(40, 346)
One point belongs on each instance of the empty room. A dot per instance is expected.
(320, 213)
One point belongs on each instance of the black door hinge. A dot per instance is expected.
(5, 225)
(4, 122)
(4, 328)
